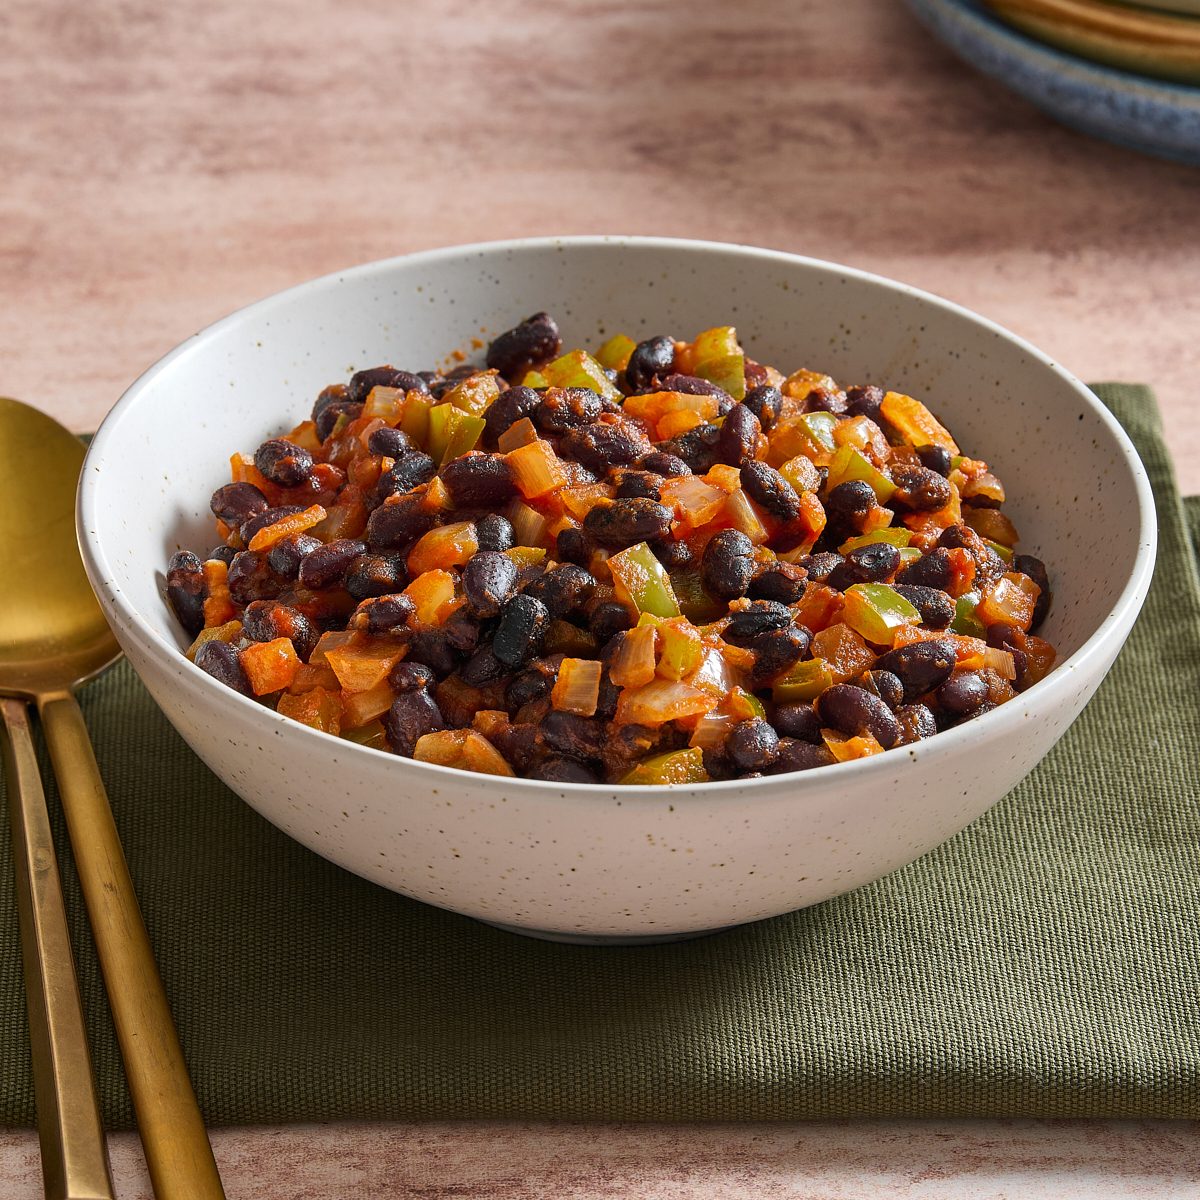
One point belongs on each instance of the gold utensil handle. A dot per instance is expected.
(74, 1154)
(177, 1149)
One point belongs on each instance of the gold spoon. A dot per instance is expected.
(53, 636)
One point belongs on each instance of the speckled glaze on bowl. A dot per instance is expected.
(590, 862)
(1143, 114)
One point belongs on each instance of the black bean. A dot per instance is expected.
(251, 578)
(494, 532)
(186, 590)
(562, 770)
(411, 716)
(1027, 564)
(332, 413)
(361, 382)
(620, 523)
(410, 470)
(608, 619)
(409, 676)
(266, 620)
(375, 575)
(634, 484)
(600, 446)
(781, 581)
(935, 458)
(766, 403)
(776, 651)
(672, 554)
(963, 694)
(236, 503)
(848, 503)
(739, 437)
(752, 745)
(793, 755)
(223, 553)
(798, 720)
(334, 394)
(479, 480)
(606, 701)
(527, 687)
(394, 443)
(283, 462)
(916, 722)
(669, 466)
(574, 736)
(571, 546)
(523, 624)
(757, 617)
(562, 589)
(221, 661)
(267, 517)
(697, 447)
(935, 607)
(327, 566)
(692, 385)
(820, 566)
(828, 400)
(384, 614)
(286, 555)
(855, 712)
(728, 565)
(507, 409)
(919, 489)
(431, 648)
(864, 401)
(920, 666)
(489, 580)
(398, 521)
(483, 667)
(534, 341)
(931, 570)
(567, 408)
(866, 564)
(765, 485)
(650, 361)
(883, 684)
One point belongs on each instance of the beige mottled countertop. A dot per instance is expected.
(165, 164)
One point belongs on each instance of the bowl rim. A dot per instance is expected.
(1054, 691)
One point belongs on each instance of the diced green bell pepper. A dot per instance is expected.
(876, 611)
(678, 766)
(898, 537)
(719, 359)
(644, 580)
(1005, 552)
(452, 432)
(820, 426)
(681, 650)
(695, 603)
(578, 368)
(535, 379)
(849, 463)
(475, 394)
(415, 419)
(965, 621)
(804, 681)
(614, 354)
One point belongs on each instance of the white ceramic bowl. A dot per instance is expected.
(590, 862)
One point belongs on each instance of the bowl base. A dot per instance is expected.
(606, 939)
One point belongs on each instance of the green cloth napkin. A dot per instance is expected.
(1044, 962)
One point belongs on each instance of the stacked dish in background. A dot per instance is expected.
(1128, 74)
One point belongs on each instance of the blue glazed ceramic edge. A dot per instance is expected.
(1142, 114)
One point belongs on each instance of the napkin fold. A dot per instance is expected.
(1045, 962)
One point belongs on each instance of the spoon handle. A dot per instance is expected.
(178, 1153)
(74, 1154)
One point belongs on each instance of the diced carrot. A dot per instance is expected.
(365, 471)
(727, 478)
(270, 666)
(359, 666)
(915, 423)
(316, 707)
(962, 571)
(520, 433)
(446, 546)
(675, 423)
(346, 519)
(299, 522)
(844, 650)
(305, 436)
(437, 496)
(580, 499)
(243, 470)
(819, 607)
(491, 722)
(218, 604)
(229, 632)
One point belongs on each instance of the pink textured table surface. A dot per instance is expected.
(165, 164)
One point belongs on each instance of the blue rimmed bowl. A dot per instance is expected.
(1143, 114)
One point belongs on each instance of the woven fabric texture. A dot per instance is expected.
(1044, 962)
